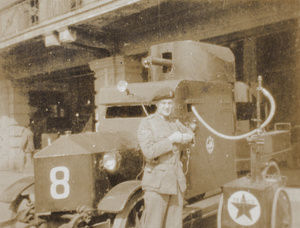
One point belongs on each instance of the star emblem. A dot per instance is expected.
(244, 208)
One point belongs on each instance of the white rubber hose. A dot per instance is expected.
(267, 121)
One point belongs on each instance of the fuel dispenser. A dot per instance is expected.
(259, 199)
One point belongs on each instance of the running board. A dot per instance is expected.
(202, 209)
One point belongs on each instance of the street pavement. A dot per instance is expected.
(293, 190)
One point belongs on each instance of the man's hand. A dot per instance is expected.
(187, 138)
(176, 137)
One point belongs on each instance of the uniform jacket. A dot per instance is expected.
(163, 171)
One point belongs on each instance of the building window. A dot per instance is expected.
(34, 11)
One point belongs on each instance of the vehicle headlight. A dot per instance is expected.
(111, 161)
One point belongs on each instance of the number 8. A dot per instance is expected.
(63, 182)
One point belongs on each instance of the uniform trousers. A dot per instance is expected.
(162, 210)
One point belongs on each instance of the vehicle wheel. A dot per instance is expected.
(131, 215)
(219, 216)
(22, 211)
(281, 210)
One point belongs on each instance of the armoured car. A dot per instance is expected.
(93, 179)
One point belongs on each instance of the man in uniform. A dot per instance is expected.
(162, 139)
(26, 148)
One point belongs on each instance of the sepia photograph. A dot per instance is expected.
(149, 113)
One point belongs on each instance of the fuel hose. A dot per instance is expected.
(237, 137)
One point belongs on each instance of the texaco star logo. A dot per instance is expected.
(210, 144)
(243, 208)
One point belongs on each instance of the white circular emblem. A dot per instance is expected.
(210, 144)
(243, 208)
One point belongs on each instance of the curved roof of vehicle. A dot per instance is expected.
(138, 92)
(144, 92)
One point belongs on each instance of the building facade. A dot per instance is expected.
(55, 55)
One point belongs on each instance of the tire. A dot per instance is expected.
(281, 210)
(132, 213)
(219, 216)
(21, 205)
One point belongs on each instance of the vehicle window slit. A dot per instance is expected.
(131, 111)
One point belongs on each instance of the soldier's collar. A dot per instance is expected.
(163, 117)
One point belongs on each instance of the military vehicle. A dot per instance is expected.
(93, 179)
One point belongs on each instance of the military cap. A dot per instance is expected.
(164, 93)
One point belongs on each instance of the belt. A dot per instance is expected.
(169, 159)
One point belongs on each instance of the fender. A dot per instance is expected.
(12, 192)
(115, 200)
